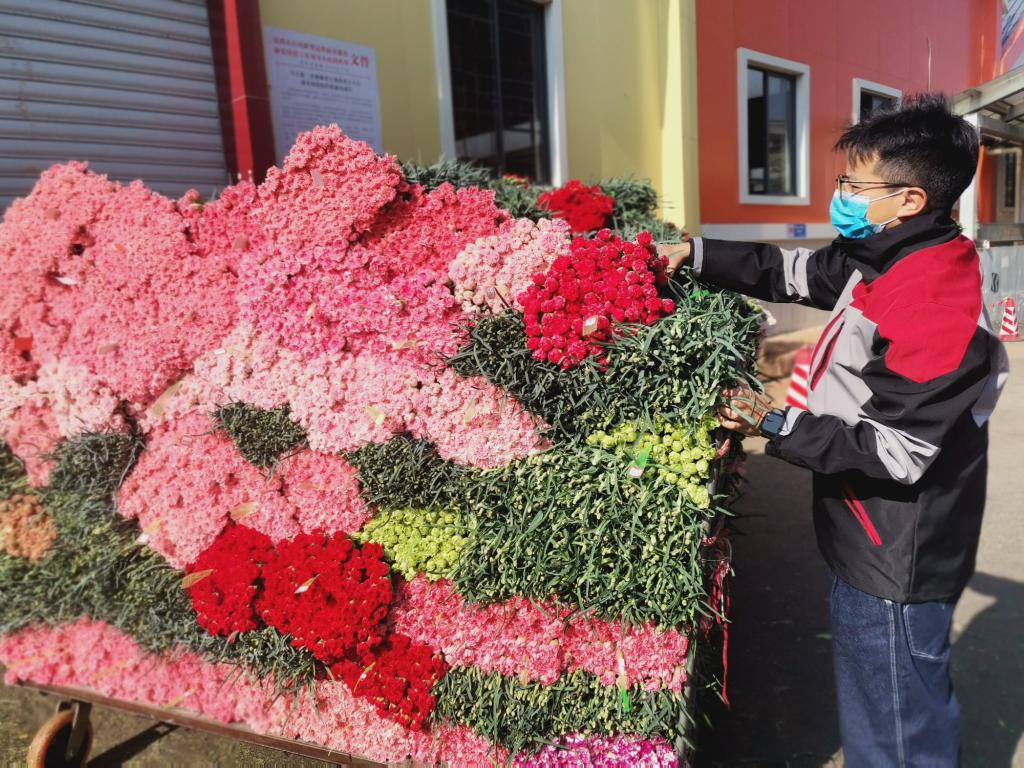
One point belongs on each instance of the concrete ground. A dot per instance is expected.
(780, 675)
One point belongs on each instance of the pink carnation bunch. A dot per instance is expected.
(96, 655)
(518, 638)
(329, 189)
(63, 401)
(191, 481)
(490, 273)
(425, 230)
(577, 751)
(344, 401)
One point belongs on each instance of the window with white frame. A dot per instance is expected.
(869, 97)
(774, 129)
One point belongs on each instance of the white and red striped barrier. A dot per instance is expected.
(796, 396)
(1010, 328)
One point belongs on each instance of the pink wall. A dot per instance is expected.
(885, 42)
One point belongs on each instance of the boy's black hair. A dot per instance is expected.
(921, 144)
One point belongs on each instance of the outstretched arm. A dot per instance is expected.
(764, 271)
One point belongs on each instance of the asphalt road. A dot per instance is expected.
(780, 674)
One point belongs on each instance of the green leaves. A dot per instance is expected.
(407, 472)
(573, 526)
(94, 463)
(261, 436)
(12, 473)
(673, 370)
(517, 715)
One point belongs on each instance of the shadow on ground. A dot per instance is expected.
(988, 669)
(780, 659)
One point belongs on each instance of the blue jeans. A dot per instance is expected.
(896, 702)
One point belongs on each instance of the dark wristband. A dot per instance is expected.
(773, 423)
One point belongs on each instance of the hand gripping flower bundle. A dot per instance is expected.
(428, 477)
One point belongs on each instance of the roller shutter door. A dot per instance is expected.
(127, 85)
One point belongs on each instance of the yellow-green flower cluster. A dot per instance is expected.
(678, 454)
(427, 541)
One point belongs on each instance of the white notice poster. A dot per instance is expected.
(317, 81)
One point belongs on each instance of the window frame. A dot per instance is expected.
(747, 58)
(860, 85)
(1016, 209)
(558, 157)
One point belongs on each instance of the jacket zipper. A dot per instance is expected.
(826, 355)
(854, 504)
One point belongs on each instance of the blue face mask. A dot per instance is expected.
(850, 215)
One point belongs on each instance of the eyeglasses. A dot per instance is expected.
(843, 180)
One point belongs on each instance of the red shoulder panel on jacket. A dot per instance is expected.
(927, 307)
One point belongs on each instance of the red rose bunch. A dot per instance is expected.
(331, 596)
(222, 581)
(397, 679)
(585, 208)
(569, 310)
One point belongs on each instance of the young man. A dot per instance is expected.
(902, 383)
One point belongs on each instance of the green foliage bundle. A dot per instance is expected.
(673, 370)
(518, 715)
(262, 436)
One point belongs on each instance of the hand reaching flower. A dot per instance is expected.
(743, 410)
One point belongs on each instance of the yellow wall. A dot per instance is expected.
(630, 83)
(630, 93)
(400, 31)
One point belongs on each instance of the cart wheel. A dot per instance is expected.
(49, 747)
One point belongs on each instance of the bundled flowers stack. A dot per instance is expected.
(570, 309)
(585, 208)
(340, 429)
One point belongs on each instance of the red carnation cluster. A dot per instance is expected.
(331, 596)
(397, 680)
(569, 310)
(585, 208)
(222, 580)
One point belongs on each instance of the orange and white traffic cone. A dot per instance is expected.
(796, 397)
(1010, 330)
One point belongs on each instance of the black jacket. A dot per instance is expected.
(901, 386)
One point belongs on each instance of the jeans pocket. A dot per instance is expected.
(928, 626)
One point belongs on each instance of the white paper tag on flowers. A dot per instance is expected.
(376, 413)
(590, 325)
(303, 588)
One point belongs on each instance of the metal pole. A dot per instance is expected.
(969, 199)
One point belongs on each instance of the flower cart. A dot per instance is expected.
(375, 463)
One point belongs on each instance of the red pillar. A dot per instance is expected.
(237, 38)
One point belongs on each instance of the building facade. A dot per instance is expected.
(194, 93)
(779, 79)
(186, 92)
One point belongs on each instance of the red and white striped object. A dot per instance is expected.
(1010, 330)
(796, 397)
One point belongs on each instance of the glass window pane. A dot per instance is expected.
(771, 132)
(781, 174)
(499, 78)
(523, 88)
(1010, 180)
(873, 102)
(474, 87)
(756, 136)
